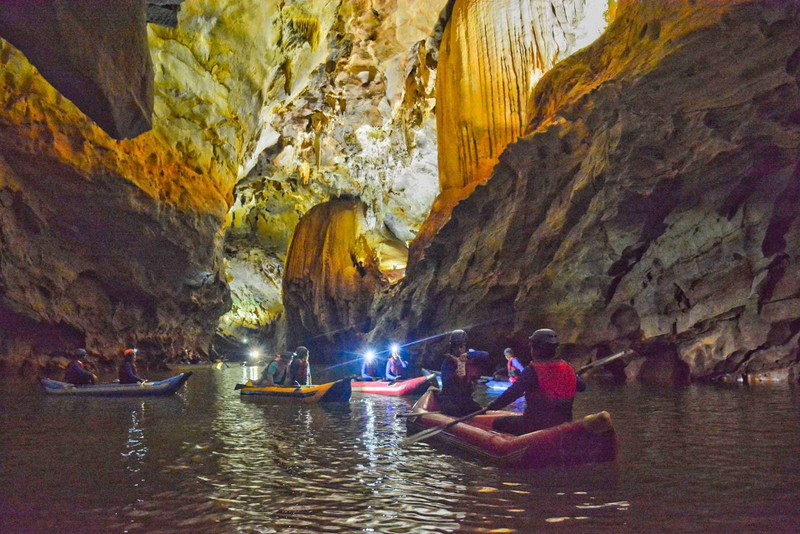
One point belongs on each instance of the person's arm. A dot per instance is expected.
(526, 381)
(389, 374)
(580, 385)
(517, 365)
(365, 371)
(308, 374)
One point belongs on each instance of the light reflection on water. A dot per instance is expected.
(697, 459)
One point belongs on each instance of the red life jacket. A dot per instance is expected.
(511, 370)
(551, 403)
(557, 382)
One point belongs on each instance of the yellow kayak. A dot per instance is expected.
(338, 391)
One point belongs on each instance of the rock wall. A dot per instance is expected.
(653, 201)
(330, 278)
(493, 54)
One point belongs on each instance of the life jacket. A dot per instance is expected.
(280, 374)
(512, 371)
(551, 403)
(300, 373)
(394, 366)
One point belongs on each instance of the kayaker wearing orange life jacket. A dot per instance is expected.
(515, 368)
(549, 386)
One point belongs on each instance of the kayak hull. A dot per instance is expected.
(590, 440)
(338, 391)
(148, 389)
(412, 386)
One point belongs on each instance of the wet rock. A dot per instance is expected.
(654, 198)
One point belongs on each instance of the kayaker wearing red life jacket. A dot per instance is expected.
(76, 372)
(515, 368)
(549, 386)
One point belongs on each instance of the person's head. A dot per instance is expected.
(301, 353)
(508, 353)
(543, 343)
(458, 342)
(79, 354)
(287, 357)
(395, 350)
(129, 354)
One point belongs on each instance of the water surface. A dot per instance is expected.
(694, 459)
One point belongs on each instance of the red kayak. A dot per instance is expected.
(396, 388)
(589, 440)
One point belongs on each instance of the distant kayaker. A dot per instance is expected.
(461, 370)
(549, 385)
(278, 372)
(515, 367)
(395, 365)
(127, 370)
(301, 368)
(76, 372)
(370, 370)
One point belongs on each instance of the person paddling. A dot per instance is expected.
(127, 370)
(76, 372)
(461, 370)
(549, 385)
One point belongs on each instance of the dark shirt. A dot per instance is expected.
(127, 374)
(462, 388)
(76, 374)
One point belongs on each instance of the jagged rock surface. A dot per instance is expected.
(653, 202)
(331, 276)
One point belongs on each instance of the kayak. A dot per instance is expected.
(592, 439)
(396, 388)
(338, 391)
(497, 385)
(145, 389)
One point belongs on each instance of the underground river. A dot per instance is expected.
(694, 459)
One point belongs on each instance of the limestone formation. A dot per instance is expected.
(330, 278)
(652, 202)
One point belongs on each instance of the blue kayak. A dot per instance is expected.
(145, 389)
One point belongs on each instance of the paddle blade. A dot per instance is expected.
(241, 386)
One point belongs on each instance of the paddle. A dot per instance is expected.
(603, 361)
(425, 434)
(412, 414)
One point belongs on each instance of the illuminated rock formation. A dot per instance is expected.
(493, 54)
(331, 276)
(653, 201)
(363, 127)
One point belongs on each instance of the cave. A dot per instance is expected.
(294, 174)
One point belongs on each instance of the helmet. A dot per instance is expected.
(129, 353)
(544, 337)
(457, 337)
(80, 354)
(508, 352)
(301, 352)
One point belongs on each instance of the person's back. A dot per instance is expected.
(548, 384)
